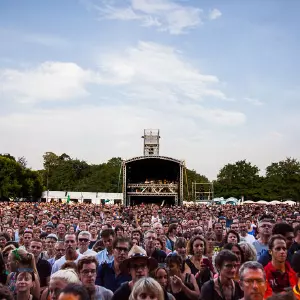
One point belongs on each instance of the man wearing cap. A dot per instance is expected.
(49, 227)
(51, 239)
(138, 265)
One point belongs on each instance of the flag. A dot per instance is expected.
(68, 199)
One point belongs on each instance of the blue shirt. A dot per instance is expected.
(107, 277)
(103, 257)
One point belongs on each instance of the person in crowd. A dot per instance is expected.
(296, 244)
(71, 253)
(253, 280)
(296, 267)
(58, 281)
(163, 241)
(21, 260)
(137, 234)
(285, 230)
(26, 239)
(249, 251)
(94, 235)
(172, 236)
(244, 235)
(147, 288)
(24, 283)
(138, 264)
(223, 287)
(87, 269)
(107, 236)
(235, 225)
(109, 275)
(231, 237)
(183, 285)
(237, 250)
(218, 230)
(119, 230)
(3, 270)
(5, 293)
(61, 230)
(181, 248)
(84, 239)
(210, 238)
(49, 228)
(265, 227)
(199, 265)
(51, 239)
(59, 251)
(4, 238)
(74, 292)
(42, 265)
(250, 227)
(279, 273)
(162, 277)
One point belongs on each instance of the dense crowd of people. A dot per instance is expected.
(55, 251)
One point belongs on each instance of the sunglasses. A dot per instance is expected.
(120, 249)
(83, 240)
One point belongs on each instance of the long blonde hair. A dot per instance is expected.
(147, 285)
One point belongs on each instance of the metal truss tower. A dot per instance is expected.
(151, 142)
(202, 191)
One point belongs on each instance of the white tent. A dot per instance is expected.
(262, 202)
(248, 202)
(275, 202)
(289, 202)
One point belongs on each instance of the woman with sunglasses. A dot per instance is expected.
(183, 285)
(223, 287)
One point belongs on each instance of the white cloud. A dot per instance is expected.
(254, 101)
(150, 75)
(48, 81)
(166, 15)
(214, 14)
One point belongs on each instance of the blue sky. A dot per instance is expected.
(220, 79)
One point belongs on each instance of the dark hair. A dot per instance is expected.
(37, 240)
(5, 293)
(2, 264)
(77, 290)
(214, 225)
(119, 227)
(107, 233)
(229, 246)
(180, 243)
(282, 228)
(16, 244)
(69, 265)
(273, 238)
(174, 258)
(86, 260)
(232, 232)
(296, 229)
(108, 225)
(224, 255)
(172, 227)
(296, 263)
(4, 235)
(121, 239)
(190, 250)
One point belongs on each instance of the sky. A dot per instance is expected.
(220, 79)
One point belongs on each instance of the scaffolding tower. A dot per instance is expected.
(151, 142)
(202, 191)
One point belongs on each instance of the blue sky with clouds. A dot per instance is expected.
(218, 78)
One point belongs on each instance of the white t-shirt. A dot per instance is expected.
(249, 238)
(88, 252)
(58, 263)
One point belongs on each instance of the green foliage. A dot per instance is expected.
(18, 181)
(281, 182)
(63, 173)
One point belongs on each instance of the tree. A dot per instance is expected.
(238, 179)
(283, 180)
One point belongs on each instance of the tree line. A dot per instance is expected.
(63, 173)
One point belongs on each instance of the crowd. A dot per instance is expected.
(55, 251)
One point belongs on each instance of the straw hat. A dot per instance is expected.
(137, 252)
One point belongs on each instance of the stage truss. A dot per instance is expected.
(202, 191)
(151, 189)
